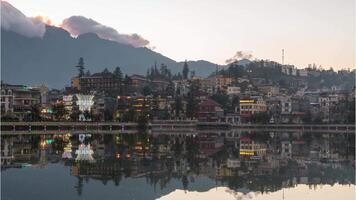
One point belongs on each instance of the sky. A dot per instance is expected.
(309, 31)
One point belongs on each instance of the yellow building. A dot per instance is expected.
(252, 105)
(250, 148)
(75, 83)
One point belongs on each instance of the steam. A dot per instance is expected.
(239, 55)
(14, 20)
(77, 25)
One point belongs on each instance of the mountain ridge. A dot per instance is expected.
(50, 60)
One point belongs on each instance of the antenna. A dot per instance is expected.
(282, 56)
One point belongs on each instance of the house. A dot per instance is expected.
(252, 105)
(210, 110)
(233, 90)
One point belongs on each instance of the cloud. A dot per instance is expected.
(239, 55)
(77, 25)
(14, 20)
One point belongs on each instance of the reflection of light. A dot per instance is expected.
(118, 155)
(247, 153)
(84, 153)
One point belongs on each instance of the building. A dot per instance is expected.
(104, 107)
(303, 72)
(268, 89)
(252, 105)
(104, 81)
(7, 101)
(138, 81)
(222, 82)
(210, 110)
(137, 104)
(19, 100)
(233, 90)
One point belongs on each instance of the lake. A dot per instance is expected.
(221, 165)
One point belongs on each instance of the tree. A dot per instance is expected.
(106, 71)
(59, 111)
(87, 73)
(36, 112)
(147, 90)
(192, 103)
(178, 105)
(80, 67)
(185, 70)
(117, 72)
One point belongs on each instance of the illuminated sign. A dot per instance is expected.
(85, 102)
(247, 101)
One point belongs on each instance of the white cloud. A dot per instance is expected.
(77, 25)
(14, 20)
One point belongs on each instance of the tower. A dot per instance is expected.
(282, 56)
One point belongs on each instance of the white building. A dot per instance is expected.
(303, 72)
(233, 163)
(233, 90)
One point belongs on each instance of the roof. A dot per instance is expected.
(245, 138)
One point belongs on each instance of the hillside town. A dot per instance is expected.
(253, 92)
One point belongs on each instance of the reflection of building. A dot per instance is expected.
(84, 153)
(6, 152)
(67, 151)
(249, 147)
(233, 163)
(286, 149)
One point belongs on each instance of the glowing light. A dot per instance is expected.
(247, 153)
(247, 101)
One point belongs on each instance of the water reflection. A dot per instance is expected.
(242, 163)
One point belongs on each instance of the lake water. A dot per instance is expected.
(267, 166)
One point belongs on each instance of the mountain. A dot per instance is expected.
(50, 60)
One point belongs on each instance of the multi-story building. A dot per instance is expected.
(268, 89)
(138, 81)
(138, 104)
(252, 105)
(286, 149)
(19, 99)
(222, 82)
(7, 101)
(209, 110)
(104, 81)
(233, 90)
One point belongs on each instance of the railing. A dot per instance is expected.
(66, 127)
(162, 126)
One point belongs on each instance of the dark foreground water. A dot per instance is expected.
(159, 166)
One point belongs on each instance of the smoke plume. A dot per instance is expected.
(77, 25)
(239, 55)
(14, 20)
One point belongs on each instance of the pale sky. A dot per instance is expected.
(310, 31)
